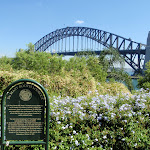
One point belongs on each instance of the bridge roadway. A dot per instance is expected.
(123, 52)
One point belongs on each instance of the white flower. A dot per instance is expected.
(88, 136)
(89, 92)
(133, 131)
(63, 128)
(124, 121)
(59, 122)
(67, 126)
(7, 143)
(135, 144)
(58, 113)
(99, 118)
(113, 115)
(130, 115)
(105, 118)
(74, 132)
(104, 137)
(77, 143)
(57, 118)
(125, 107)
(71, 137)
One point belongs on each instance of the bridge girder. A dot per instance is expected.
(128, 48)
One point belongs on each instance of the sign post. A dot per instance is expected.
(24, 103)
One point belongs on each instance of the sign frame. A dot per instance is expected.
(45, 141)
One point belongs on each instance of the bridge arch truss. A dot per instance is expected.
(133, 52)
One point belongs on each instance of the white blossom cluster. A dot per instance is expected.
(77, 106)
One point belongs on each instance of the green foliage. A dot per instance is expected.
(76, 63)
(96, 69)
(5, 63)
(30, 61)
(56, 65)
(4, 82)
(41, 62)
(30, 47)
(144, 81)
(120, 76)
(75, 73)
(45, 63)
(5, 60)
(85, 54)
(108, 59)
(111, 57)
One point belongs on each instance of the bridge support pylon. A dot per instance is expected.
(147, 53)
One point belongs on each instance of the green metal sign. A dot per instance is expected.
(25, 103)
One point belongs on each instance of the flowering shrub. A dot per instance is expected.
(100, 122)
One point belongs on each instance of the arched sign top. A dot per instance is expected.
(25, 80)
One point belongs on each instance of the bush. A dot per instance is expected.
(96, 69)
(76, 64)
(45, 63)
(72, 84)
(41, 62)
(104, 121)
(5, 63)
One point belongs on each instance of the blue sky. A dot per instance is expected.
(24, 21)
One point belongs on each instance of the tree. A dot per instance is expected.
(30, 47)
(86, 54)
(93, 64)
(144, 81)
(96, 69)
(109, 58)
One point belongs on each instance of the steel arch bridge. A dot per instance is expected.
(133, 52)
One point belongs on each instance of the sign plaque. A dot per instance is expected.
(25, 106)
(25, 101)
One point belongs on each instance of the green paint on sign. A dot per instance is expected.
(25, 105)
(27, 114)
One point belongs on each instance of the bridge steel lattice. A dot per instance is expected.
(133, 52)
